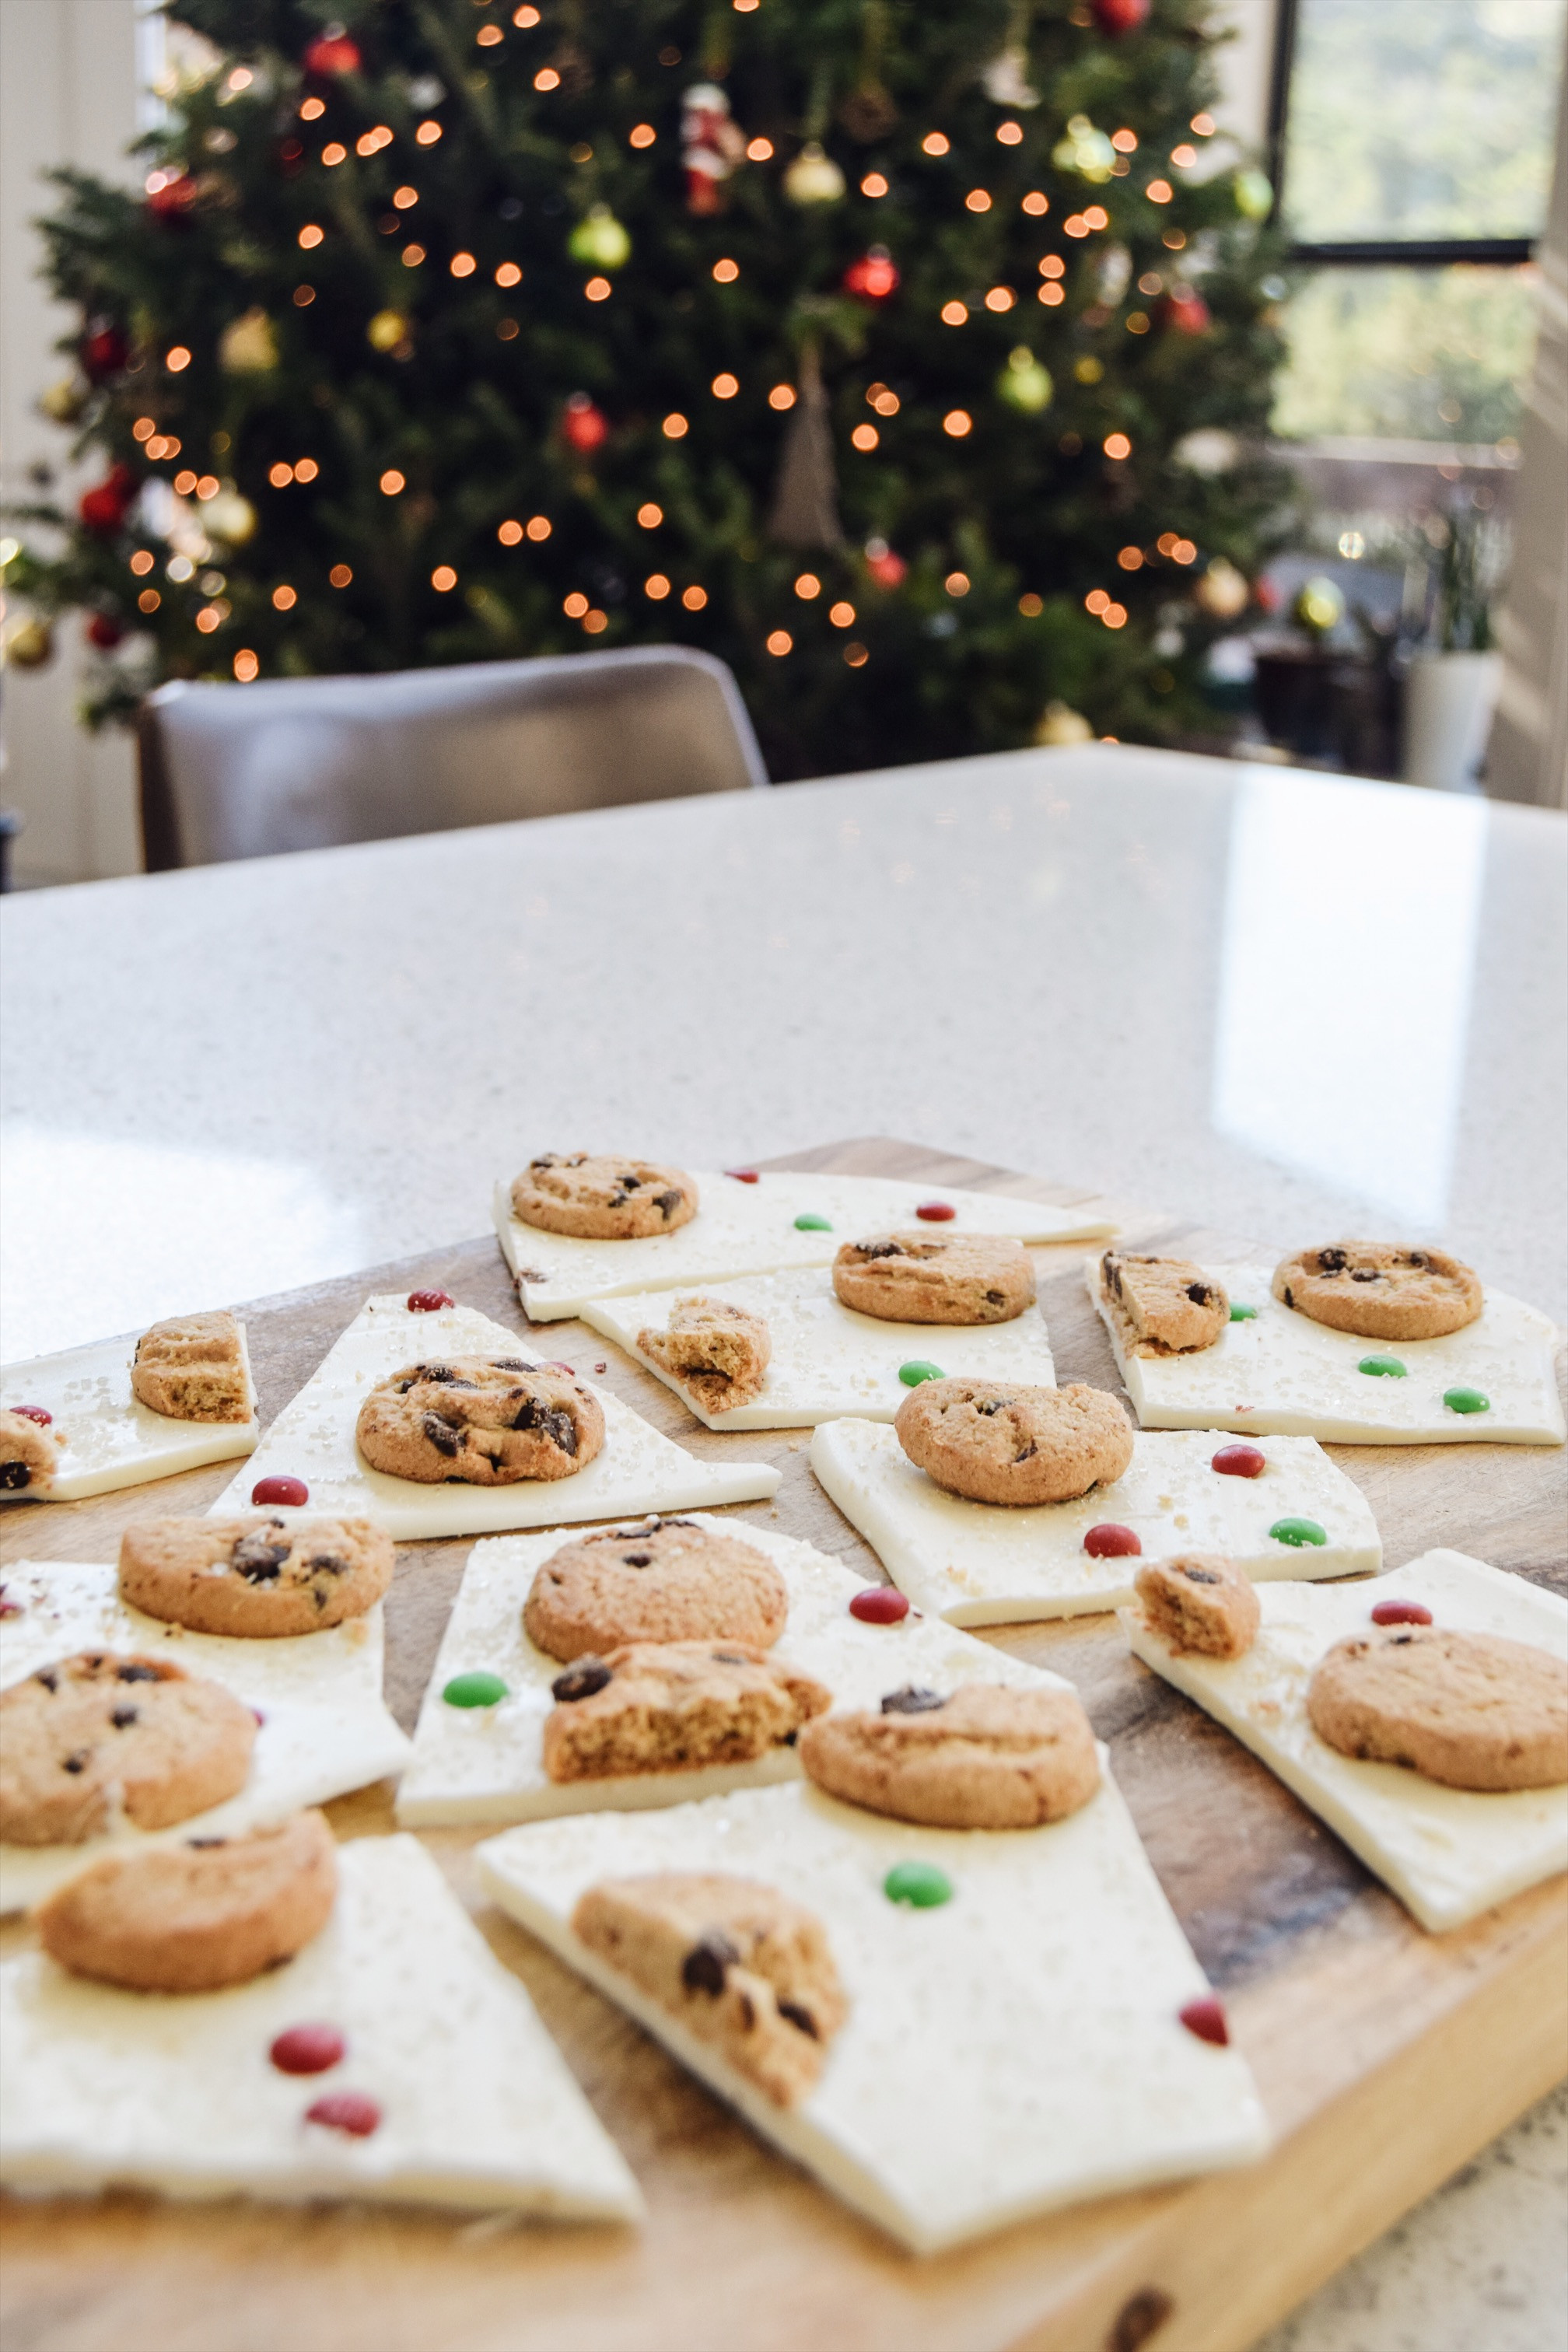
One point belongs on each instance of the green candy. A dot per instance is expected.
(1467, 1401)
(1383, 1368)
(1243, 1314)
(477, 1689)
(1298, 1531)
(917, 1369)
(809, 1221)
(919, 1883)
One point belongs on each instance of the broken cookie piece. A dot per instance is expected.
(1161, 1306)
(719, 1353)
(1199, 1602)
(193, 1368)
(673, 1706)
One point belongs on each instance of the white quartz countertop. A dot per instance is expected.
(1292, 1006)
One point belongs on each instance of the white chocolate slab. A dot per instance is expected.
(636, 1471)
(829, 1360)
(1016, 2050)
(113, 1441)
(325, 1730)
(750, 1229)
(175, 2091)
(1283, 1374)
(987, 1564)
(486, 1764)
(1448, 1853)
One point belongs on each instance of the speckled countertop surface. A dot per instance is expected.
(1293, 1006)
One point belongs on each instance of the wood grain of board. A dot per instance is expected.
(1386, 2057)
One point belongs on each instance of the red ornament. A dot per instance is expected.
(888, 570)
(1239, 1462)
(878, 1604)
(292, 1492)
(333, 54)
(103, 508)
(307, 2048)
(1187, 314)
(1400, 1612)
(1115, 17)
(104, 631)
(873, 277)
(1111, 1540)
(104, 352)
(174, 200)
(1206, 2019)
(429, 1302)
(584, 427)
(346, 2111)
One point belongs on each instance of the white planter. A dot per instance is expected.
(1448, 704)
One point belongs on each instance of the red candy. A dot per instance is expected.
(1239, 1462)
(936, 1213)
(743, 1175)
(1111, 1541)
(555, 1365)
(307, 2048)
(429, 1302)
(34, 1412)
(256, 1711)
(1400, 1612)
(1206, 2018)
(346, 2111)
(880, 1604)
(281, 1490)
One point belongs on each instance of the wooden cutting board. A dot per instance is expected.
(1386, 2057)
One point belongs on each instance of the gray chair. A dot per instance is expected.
(232, 771)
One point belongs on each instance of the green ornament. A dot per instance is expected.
(477, 1689)
(918, 1370)
(1243, 1314)
(918, 1884)
(1089, 153)
(1299, 1532)
(1023, 383)
(809, 1221)
(1253, 194)
(1383, 1368)
(1467, 1401)
(1320, 606)
(599, 240)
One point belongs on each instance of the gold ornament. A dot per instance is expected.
(248, 346)
(386, 331)
(814, 178)
(30, 645)
(1320, 606)
(229, 516)
(1059, 724)
(1223, 592)
(65, 401)
(1084, 150)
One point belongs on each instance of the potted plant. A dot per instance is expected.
(1451, 685)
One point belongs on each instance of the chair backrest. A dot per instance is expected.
(232, 771)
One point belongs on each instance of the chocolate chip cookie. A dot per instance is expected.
(740, 1964)
(30, 1450)
(479, 1421)
(1161, 1306)
(1380, 1290)
(1471, 1710)
(996, 1443)
(1201, 1602)
(719, 1353)
(928, 1278)
(100, 1733)
(667, 1581)
(193, 1917)
(600, 1199)
(255, 1575)
(991, 1756)
(673, 1706)
(192, 1369)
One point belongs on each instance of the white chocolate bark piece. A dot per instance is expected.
(111, 1439)
(636, 1471)
(1448, 1853)
(325, 1727)
(486, 1764)
(750, 1229)
(829, 1360)
(175, 2091)
(1278, 1373)
(987, 1564)
(1014, 2050)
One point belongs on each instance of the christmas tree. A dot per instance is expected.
(915, 361)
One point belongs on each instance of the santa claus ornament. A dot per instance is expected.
(710, 147)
